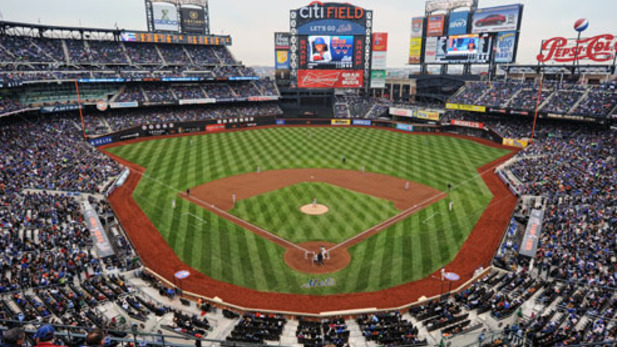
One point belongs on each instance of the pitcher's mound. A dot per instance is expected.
(314, 209)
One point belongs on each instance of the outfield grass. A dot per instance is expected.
(407, 251)
(350, 212)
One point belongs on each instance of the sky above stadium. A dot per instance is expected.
(251, 24)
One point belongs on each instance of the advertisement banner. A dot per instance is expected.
(494, 19)
(363, 122)
(379, 61)
(434, 25)
(330, 78)
(471, 108)
(193, 20)
(504, 47)
(58, 108)
(378, 79)
(280, 122)
(281, 40)
(515, 142)
(165, 16)
(340, 121)
(428, 115)
(215, 127)
(281, 59)
(196, 101)
(458, 23)
(402, 112)
(101, 242)
(596, 49)
(100, 141)
(415, 50)
(127, 104)
(404, 127)
(467, 124)
(529, 246)
(430, 52)
(380, 42)
(417, 26)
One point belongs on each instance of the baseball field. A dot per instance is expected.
(360, 192)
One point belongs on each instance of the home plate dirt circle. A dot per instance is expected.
(296, 258)
(314, 210)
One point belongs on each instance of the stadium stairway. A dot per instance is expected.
(509, 101)
(580, 100)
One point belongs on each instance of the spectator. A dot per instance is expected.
(15, 337)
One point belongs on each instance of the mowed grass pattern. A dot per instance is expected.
(407, 251)
(349, 212)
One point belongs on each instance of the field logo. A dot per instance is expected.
(316, 283)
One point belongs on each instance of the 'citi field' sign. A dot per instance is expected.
(317, 10)
(600, 49)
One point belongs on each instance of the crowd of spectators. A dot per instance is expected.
(119, 119)
(559, 98)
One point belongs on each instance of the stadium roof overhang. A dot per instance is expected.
(4, 25)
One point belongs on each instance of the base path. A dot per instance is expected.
(156, 254)
(219, 193)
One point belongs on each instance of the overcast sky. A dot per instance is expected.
(251, 23)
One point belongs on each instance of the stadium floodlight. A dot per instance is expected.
(200, 3)
(447, 5)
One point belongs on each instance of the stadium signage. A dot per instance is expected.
(600, 48)
(514, 142)
(471, 108)
(467, 124)
(363, 122)
(340, 122)
(318, 10)
(529, 246)
(404, 127)
(280, 122)
(215, 127)
(316, 283)
(330, 79)
(101, 141)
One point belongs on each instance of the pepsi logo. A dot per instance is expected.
(581, 24)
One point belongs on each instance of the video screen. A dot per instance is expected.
(330, 52)
(471, 48)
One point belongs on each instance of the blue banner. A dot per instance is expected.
(363, 122)
(504, 47)
(100, 141)
(458, 23)
(405, 127)
(331, 27)
(280, 122)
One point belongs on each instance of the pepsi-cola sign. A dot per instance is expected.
(599, 49)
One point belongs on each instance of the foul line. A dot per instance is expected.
(431, 217)
(194, 216)
(225, 214)
(381, 226)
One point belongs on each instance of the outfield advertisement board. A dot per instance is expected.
(401, 112)
(430, 51)
(417, 26)
(515, 142)
(340, 121)
(378, 79)
(362, 122)
(467, 124)
(100, 141)
(428, 115)
(471, 108)
(495, 19)
(404, 127)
